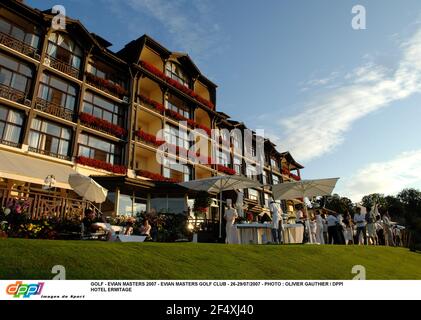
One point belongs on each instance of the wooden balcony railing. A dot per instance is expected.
(61, 66)
(44, 205)
(49, 153)
(14, 95)
(54, 109)
(18, 45)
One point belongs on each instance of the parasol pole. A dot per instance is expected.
(220, 215)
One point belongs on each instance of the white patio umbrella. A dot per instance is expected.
(87, 188)
(218, 184)
(304, 188)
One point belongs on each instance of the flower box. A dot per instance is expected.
(101, 165)
(106, 85)
(102, 125)
(176, 84)
(225, 170)
(149, 138)
(155, 176)
(156, 105)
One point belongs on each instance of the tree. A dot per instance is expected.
(335, 203)
(411, 202)
(369, 200)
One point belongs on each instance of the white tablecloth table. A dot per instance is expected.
(254, 233)
(293, 233)
(109, 227)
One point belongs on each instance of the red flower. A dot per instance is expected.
(226, 170)
(106, 85)
(250, 217)
(146, 137)
(101, 124)
(101, 165)
(155, 176)
(176, 84)
(156, 105)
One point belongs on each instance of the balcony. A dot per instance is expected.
(43, 205)
(48, 153)
(61, 66)
(54, 109)
(14, 95)
(107, 86)
(19, 46)
(10, 143)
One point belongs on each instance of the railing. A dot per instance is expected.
(10, 143)
(44, 205)
(49, 153)
(18, 45)
(61, 66)
(14, 95)
(54, 109)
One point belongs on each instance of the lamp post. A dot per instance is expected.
(49, 182)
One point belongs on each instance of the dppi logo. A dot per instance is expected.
(18, 289)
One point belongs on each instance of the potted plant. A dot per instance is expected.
(201, 205)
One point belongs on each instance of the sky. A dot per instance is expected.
(345, 102)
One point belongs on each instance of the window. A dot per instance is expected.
(265, 177)
(238, 164)
(11, 122)
(251, 171)
(266, 200)
(96, 148)
(253, 195)
(176, 137)
(129, 205)
(49, 138)
(167, 204)
(175, 104)
(177, 171)
(237, 139)
(15, 74)
(18, 33)
(62, 48)
(222, 157)
(103, 109)
(175, 72)
(57, 91)
(274, 163)
(275, 179)
(93, 69)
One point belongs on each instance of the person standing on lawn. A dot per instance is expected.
(359, 219)
(319, 228)
(276, 211)
(332, 228)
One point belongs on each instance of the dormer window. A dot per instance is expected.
(62, 48)
(175, 72)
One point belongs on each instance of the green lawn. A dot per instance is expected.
(33, 259)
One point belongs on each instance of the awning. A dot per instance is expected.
(26, 168)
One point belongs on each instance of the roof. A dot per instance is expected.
(287, 155)
(21, 167)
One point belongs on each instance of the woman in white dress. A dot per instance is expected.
(231, 230)
(319, 228)
(239, 204)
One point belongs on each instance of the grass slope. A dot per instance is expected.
(33, 259)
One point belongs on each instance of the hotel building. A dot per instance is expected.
(70, 104)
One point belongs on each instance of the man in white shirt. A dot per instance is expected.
(360, 221)
(276, 212)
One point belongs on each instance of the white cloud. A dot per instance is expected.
(321, 124)
(384, 177)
